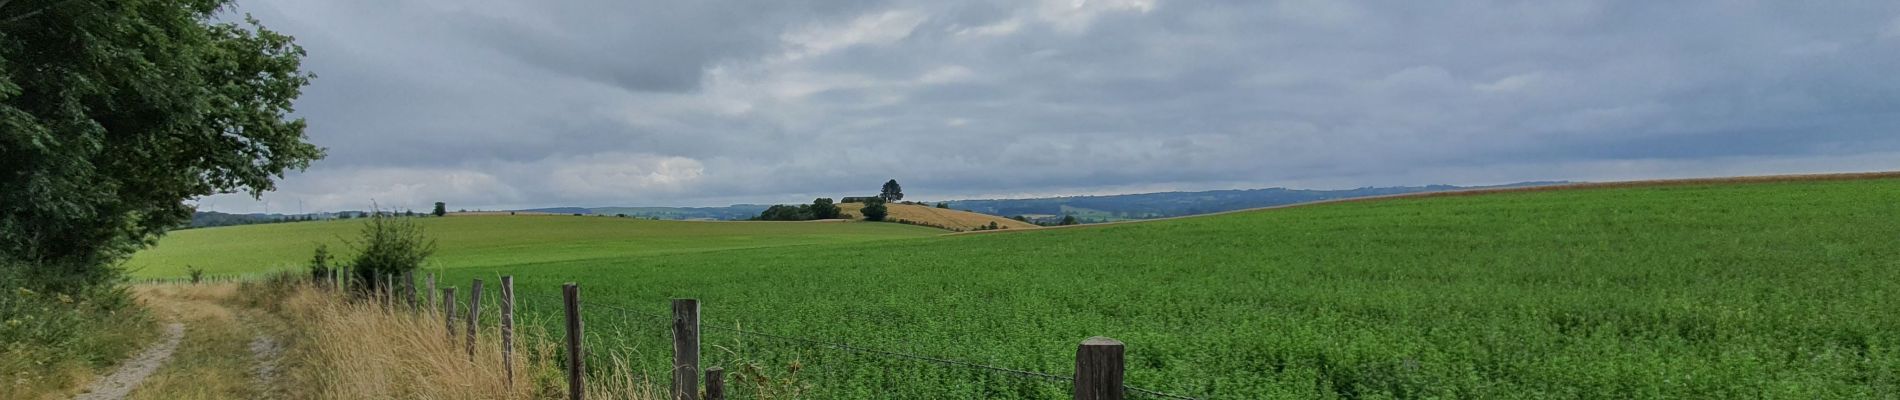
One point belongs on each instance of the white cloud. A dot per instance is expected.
(1075, 16)
(872, 29)
(621, 175)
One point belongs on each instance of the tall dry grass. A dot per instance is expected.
(345, 349)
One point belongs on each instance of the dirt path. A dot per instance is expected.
(121, 383)
(264, 353)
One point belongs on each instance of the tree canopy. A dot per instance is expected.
(114, 112)
(891, 191)
(875, 210)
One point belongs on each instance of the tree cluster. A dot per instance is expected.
(821, 208)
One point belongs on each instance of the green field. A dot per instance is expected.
(1766, 290)
(491, 241)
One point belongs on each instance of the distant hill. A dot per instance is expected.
(1085, 208)
(943, 218)
(1175, 204)
(732, 212)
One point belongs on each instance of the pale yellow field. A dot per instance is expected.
(953, 219)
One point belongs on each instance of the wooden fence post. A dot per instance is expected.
(685, 349)
(576, 366)
(433, 306)
(508, 329)
(474, 313)
(409, 288)
(448, 311)
(715, 383)
(1098, 369)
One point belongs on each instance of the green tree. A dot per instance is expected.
(891, 191)
(1068, 220)
(320, 262)
(441, 209)
(823, 208)
(113, 113)
(943, 205)
(874, 209)
(387, 245)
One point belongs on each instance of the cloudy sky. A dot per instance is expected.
(510, 104)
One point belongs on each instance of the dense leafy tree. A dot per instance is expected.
(874, 210)
(441, 209)
(823, 208)
(891, 192)
(114, 112)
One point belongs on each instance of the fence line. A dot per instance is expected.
(1099, 360)
(838, 345)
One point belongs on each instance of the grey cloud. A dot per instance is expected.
(578, 103)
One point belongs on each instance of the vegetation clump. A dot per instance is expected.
(389, 245)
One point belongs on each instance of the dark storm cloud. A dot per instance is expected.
(500, 104)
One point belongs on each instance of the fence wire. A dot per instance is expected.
(746, 376)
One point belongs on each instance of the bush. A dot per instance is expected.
(874, 210)
(48, 339)
(320, 262)
(389, 245)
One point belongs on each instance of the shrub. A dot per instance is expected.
(320, 262)
(874, 210)
(389, 245)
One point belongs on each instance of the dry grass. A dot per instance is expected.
(354, 350)
(954, 219)
(213, 362)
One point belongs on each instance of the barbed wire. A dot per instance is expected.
(866, 350)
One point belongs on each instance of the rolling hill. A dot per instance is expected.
(949, 219)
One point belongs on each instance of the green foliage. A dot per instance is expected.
(441, 209)
(1779, 290)
(320, 262)
(112, 113)
(823, 208)
(943, 205)
(388, 245)
(875, 210)
(783, 212)
(1067, 220)
(47, 336)
(891, 191)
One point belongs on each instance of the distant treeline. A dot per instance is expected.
(1090, 209)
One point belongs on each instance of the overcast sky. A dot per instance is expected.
(513, 104)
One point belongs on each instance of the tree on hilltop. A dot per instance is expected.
(441, 209)
(891, 192)
(823, 208)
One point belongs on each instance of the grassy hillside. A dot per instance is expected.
(1775, 290)
(953, 219)
(492, 240)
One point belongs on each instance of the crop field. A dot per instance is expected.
(1777, 290)
(490, 240)
(948, 218)
(1704, 290)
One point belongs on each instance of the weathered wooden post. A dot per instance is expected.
(508, 329)
(576, 366)
(474, 313)
(715, 383)
(409, 288)
(433, 305)
(448, 311)
(1098, 369)
(685, 349)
